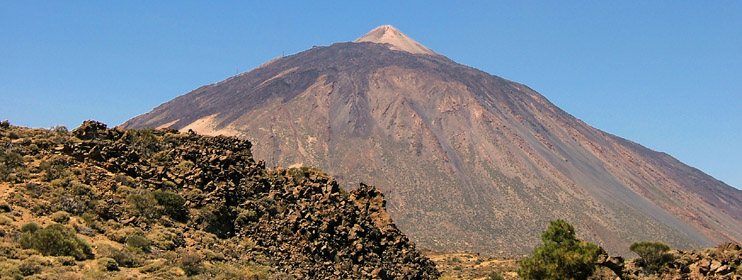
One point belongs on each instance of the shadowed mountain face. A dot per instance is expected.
(468, 160)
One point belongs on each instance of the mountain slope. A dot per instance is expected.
(468, 160)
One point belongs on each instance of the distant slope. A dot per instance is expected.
(468, 160)
(164, 205)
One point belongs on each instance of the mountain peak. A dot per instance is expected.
(387, 34)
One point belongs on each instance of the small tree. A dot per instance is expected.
(653, 254)
(561, 256)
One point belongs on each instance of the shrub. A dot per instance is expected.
(142, 205)
(123, 257)
(213, 256)
(246, 216)
(172, 203)
(60, 129)
(11, 159)
(4, 207)
(185, 166)
(494, 275)
(190, 263)
(653, 254)
(145, 141)
(29, 267)
(56, 240)
(139, 243)
(5, 124)
(61, 217)
(108, 264)
(561, 256)
(166, 238)
(30, 227)
(66, 260)
(269, 204)
(125, 180)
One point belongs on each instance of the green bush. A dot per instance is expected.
(11, 159)
(30, 227)
(66, 260)
(61, 217)
(108, 264)
(653, 254)
(139, 243)
(185, 166)
(142, 205)
(56, 240)
(123, 257)
(172, 203)
(269, 204)
(166, 238)
(246, 216)
(561, 256)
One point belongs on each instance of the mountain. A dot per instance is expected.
(468, 161)
(158, 204)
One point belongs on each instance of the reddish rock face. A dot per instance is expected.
(467, 160)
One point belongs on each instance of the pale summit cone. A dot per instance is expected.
(387, 34)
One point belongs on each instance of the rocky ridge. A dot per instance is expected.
(204, 196)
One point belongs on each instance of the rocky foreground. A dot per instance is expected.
(162, 204)
(722, 262)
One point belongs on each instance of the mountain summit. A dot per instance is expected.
(387, 34)
(467, 160)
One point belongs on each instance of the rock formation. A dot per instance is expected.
(195, 198)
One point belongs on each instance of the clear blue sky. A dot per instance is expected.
(665, 74)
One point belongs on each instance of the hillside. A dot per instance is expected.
(104, 203)
(468, 161)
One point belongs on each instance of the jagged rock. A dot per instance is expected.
(89, 130)
(616, 264)
(730, 247)
(715, 265)
(724, 269)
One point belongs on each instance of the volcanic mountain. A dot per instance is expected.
(467, 160)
